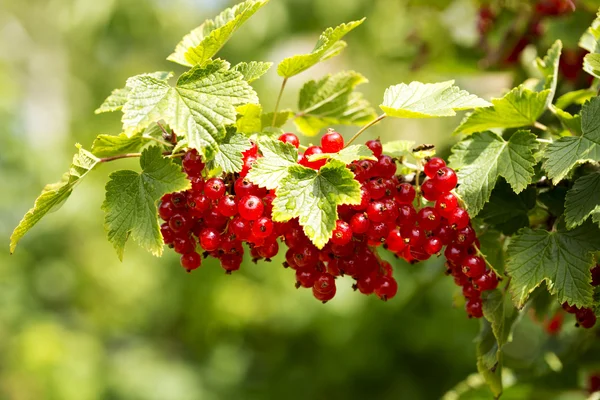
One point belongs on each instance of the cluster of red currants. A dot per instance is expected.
(585, 316)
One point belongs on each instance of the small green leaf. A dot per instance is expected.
(583, 200)
(252, 70)
(332, 101)
(229, 156)
(328, 45)
(347, 155)
(548, 67)
(519, 107)
(428, 100)
(483, 157)
(282, 117)
(566, 152)
(562, 258)
(54, 195)
(109, 145)
(249, 118)
(570, 122)
(313, 197)
(131, 198)
(589, 40)
(198, 107)
(575, 97)
(273, 166)
(591, 64)
(398, 148)
(201, 44)
(506, 210)
(118, 97)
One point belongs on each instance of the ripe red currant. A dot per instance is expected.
(332, 142)
(433, 165)
(290, 138)
(214, 188)
(191, 261)
(251, 207)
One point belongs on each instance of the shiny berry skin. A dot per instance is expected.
(167, 233)
(342, 234)
(313, 164)
(307, 255)
(366, 283)
(248, 163)
(433, 245)
(407, 215)
(458, 218)
(376, 211)
(332, 142)
(251, 207)
(262, 227)
(433, 165)
(197, 183)
(487, 281)
(240, 227)
(375, 146)
(445, 179)
(269, 249)
(325, 283)
(406, 193)
(430, 191)
(210, 239)
(243, 187)
(445, 234)
(198, 203)
(455, 253)
(474, 308)
(428, 218)
(178, 223)
(445, 203)
(473, 266)
(227, 206)
(184, 244)
(324, 296)
(386, 288)
(386, 166)
(395, 242)
(214, 188)
(192, 163)
(231, 262)
(306, 276)
(166, 210)
(191, 261)
(359, 223)
(413, 235)
(465, 236)
(178, 199)
(469, 292)
(376, 189)
(290, 138)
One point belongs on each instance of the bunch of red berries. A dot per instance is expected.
(586, 318)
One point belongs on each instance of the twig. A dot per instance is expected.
(364, 128)
(133, 155)
(277, 103)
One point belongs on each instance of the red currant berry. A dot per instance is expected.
(210, 239)
(248, 163)
(376, 189)
(167, 233)
(240, 227)
(465, 236)
(342, 234)
(487, 281)
(473, 266)
(262, 227)
(184, 244)
(178, 199)
(313, 164)
(458, 218)
(433, 245)
(192, 163)
(570, 309)
(332, 142)
(386, 166)
(376, 211)
(395, 242)
(433, 165)
(407, 215)
(178, 223)
(291, 139)
(191, 261)
(474, 308)
(470, 292)
(269, 249)
(198, 203)
(231, 262)
(375, 146)
(586, 318)
(445, 179)
(324, 296)
(251, 207)
(325, 283)
(413, 235)
(227, 206)
(214, 188)
(243, 187)
(386, 288)
(359, 223)
(445, 234)
(428, 218)
(197, 183)
(166, 210)
(445, 203)
(455, 253)
(406, 193)
(430, 191)
(306, 276)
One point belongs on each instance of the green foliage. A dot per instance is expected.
(131, 198)
(347, 155)
(109, 145)
(251, 119)
(313, 197)
(428, 100)
(252, 70)
(583, 200)
(548, 67)
(569, 151)
(274, 165)
(332, 101)
(483, 157)
(54, 195)
(118, 97)
(562, 258)
(508, 211)
(201, 44)
(329, 45)
(229, 157)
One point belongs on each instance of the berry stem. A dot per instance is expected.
(277, 102)
(547, 141)
(364, 128)
(480, 254)
(540, 126)
(133, 155)
(159, 141)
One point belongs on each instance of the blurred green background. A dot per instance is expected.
(75, 323)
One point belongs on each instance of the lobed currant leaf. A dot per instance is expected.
(111, 145)
(428, 100)
(519, 107)
(252, 120)
(270, 169)
(229, 157)
(201, 44)
(252, 70)
(332, 101)
(198, 107)
(548, 67)
(506, 210)
(313, 197)
(591, 64)
(328, 45)
(54, 195)
(562, 258)
(566, 152)
(131, 197)
(481, 158)
(570, 122)
(583, 200)
(346, 155)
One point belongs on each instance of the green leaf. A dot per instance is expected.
(252, 120)
(54, 195)
(506, 210)
(554, 199)
(583, 200)
(575, 97)
(110, 145)
(570, 122)
(198, 107)
(567, 152)
(328, 45)
(282, 117)
(332, 101)
(347, 155)
(492, 247)
(428, 100)
(131, 198)
(591, 64)
(201, 44)
(313, 197)
(252, 70)
(548, 67)
(519, 107)
(589, 40)
(229, 156)
(562, 258)
(483, 157)
(496, 332)
(118, 97)
(398, 148)
(270, 169)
